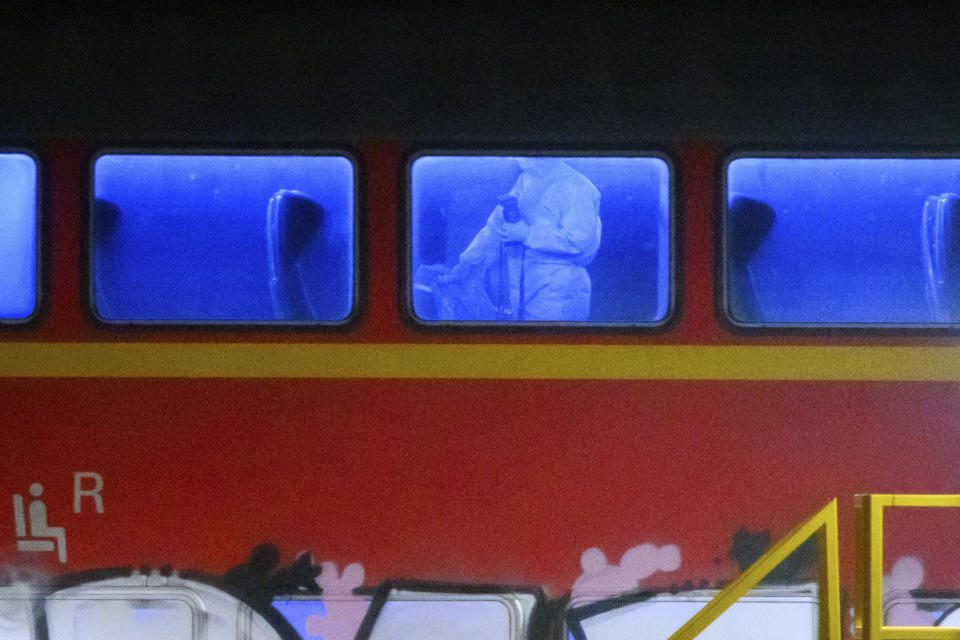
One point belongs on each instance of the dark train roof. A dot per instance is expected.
(475, 71)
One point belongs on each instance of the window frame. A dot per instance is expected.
(406, 270)
(721, 272)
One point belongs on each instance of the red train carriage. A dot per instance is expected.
(425, 461)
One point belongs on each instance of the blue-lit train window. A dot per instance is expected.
(582, 240)
(842, 242)
(18, 237)
(223, 238)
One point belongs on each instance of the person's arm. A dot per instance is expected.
(575, 232)
(482, 250)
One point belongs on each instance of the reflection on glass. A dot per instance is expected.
(18, 236)
(540, 239)
(181, 238)
(842, 241)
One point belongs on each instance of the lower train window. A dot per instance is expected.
(260, 239)
(842, 242)
(111, 619)
(921, 608)
(18, 237)
(90, 612)
(19, 610)
(578, 240)
(451, 615)
(152, 606)
(784, 612)
(327, 617)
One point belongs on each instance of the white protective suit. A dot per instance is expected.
(562, 208)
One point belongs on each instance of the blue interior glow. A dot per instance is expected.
(629, 277)
(18, 236)
(185, 238)
(150, 620)
(843, 241)
(297, 612)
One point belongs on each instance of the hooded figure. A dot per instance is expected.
(542, 253)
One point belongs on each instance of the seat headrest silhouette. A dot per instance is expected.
(293, 225)
(106, 215)
(296, 220)
(749, 222)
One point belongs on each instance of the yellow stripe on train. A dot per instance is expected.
(489, 361)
